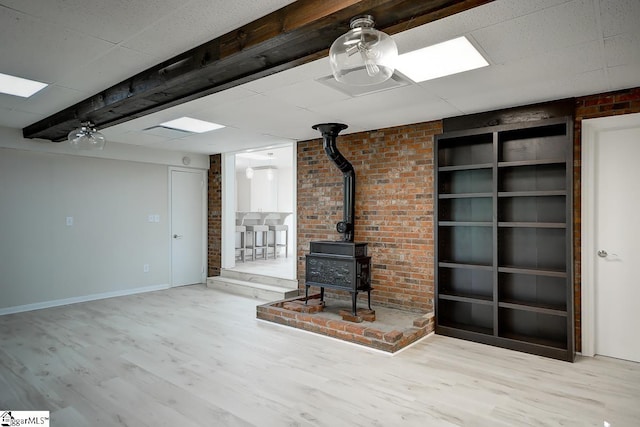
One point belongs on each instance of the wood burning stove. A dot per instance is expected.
(343, 264)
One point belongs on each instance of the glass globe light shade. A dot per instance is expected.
(363, 56)
(86, 137)
(249, 172)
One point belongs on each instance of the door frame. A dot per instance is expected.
(229, 205)
(591, 129)
(203, 250)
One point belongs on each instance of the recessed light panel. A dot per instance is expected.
(191, 125)
(18, 86)
(442, 59)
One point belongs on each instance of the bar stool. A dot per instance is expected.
(243, 247)
(277, 229)
(256, 230)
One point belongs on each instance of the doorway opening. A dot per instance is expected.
(259, 220)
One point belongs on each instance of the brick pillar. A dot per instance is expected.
(214, 217)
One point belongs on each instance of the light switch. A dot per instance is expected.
(150, 218)
(69, 221)
(156, 218)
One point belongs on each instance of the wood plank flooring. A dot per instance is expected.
(194, 356)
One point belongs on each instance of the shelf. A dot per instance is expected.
(532, 271)
(467, 266)
(538, 308)
(465, 224)
(556, 344)
(532, 224)
(468, 327)
(532, 193)
(542, 177)
(465, 167)
(531, 163)
(540, 209)
(463, 181)
(464, 195)
(533, 248)
(473, 299)
(466, 210)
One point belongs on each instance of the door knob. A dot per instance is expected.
(602, 253)
(177, 236)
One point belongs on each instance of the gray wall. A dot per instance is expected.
(44, 261)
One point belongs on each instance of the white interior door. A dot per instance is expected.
(187, 227)
(617, 243)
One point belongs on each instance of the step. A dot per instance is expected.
(252, 289)
(259, 278)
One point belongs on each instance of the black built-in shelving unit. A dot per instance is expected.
(504, 236)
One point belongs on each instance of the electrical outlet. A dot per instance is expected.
(69, 221)
(145, 268)
(150, 218)
(156, 218)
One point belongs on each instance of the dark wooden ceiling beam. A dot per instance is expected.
(294, 35)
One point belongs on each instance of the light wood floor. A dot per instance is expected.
(194, 356)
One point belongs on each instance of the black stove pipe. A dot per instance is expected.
(329, 133)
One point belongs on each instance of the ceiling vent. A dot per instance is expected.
(396, 80)
(165, 132)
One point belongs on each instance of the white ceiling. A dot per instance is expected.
(538, 50)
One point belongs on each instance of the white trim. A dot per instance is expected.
(228, 219)
(85, 298)
(587, 245)
(590, 130)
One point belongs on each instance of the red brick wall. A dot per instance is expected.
(394, 207)
(591, 107)
(214, 217)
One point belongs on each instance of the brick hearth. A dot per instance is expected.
(381, 334)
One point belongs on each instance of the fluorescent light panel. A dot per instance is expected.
(18, 86)
(189, 124)
(442, 59)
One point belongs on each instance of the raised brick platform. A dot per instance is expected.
(384, 334)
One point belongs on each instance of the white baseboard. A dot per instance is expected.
(84, 298)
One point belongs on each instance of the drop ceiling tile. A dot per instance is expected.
(620, 17)
(198, 22)
(42, 51)
(17, 119)
(46, 102)
(110, 20)
(310, 71)
(622, 50)
(468, 21)
(548, 30)
(521, 72)
(624, 77)
(533, 91)
(380, 109)
(134, 138)
(110, 68)
(306, 94)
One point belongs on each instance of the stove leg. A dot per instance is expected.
(322, 294)
(354, 298)
(369, 298)
(306, 294)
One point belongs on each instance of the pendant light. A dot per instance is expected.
(86, 137)
(363, 56)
